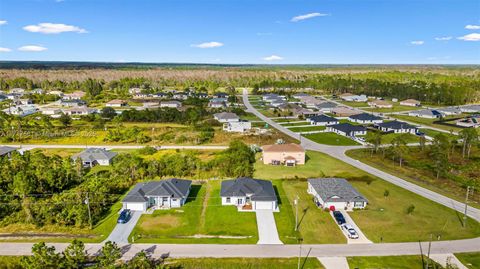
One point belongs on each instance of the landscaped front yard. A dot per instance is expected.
(307, 129)
(331, 139)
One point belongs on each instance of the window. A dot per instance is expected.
(228, 200)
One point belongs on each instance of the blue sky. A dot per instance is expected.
(242, 31)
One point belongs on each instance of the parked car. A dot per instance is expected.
(124, 216)
(352, 234)
(339, 217)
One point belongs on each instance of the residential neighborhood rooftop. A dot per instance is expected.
(175, 188)
(335, 190)
(257, 189)
(283, 148)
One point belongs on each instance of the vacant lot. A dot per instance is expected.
(307, 129)
(331, 139)
(470, 260)
(296, 123)
(409, 138)
(427, 122)
(245, 263)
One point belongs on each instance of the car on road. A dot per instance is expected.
(125, 216)
(352, 234)
(339, 217)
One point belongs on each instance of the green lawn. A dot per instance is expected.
(307, 129)
(470, 260)
(286, 120)
(331, 139)
(384, 218)
(396, 108)
(427, 122)
(244, 263)
(409, 138)
(250, 117)
(285, 219)
(390, 262)
(296, 123)
(433, 133)
(10, 262)
(197, 218)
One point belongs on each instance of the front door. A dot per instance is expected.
(164, 201)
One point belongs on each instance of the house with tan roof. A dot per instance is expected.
(74, 95)
(283, 154)
(410, 102)
(116, 103)
(342, 111)
(380, 104)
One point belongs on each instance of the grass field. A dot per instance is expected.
(384, 219)
(470, 260)
(296, 123)
(286, 120)
(307, 129)
(409, 138)
(331, 139)
(285, 218)
(433, 133)
(396, 108)
(245, 263)
(390, 262)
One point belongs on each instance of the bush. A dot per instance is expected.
(410, 209)
(147, 150)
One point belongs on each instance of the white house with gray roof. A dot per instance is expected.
(425, 113)
(95, 156)
(249, 194)
(162, 194)
(226, 117)
(335, 193)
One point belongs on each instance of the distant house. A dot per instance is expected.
(57, 93)
(425, 113)
(180, 96)
(335, 193)
(220, 95)
(74, 96)
(365, 118)
(226, 117)
(72, 103)
(249, 194)
(50, 111)
(134, 90)
(270, 96)
(300, 95)
(21, 110)
(95, 156)
(201, 95)
(471, 121)
(312, 102)
(326, 107)
(305, 112)
(380, 104)
(353, 98)
(217, 104)
(283, 154)
(448, 111)
(171, 104)
(341, 111)
(142, 96)
(396, 127)
(346, 129)
(37, 91)
(18, 91)
(237, 126)
(470, 108)
(410, 102)
(170, 193)
(79, 111)
(117, 103)
(6, 151)
(322, 120)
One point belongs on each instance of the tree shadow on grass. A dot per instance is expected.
(194, 190)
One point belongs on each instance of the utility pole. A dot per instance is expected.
(466, 207)
(87, 202)
(300, 240)
(296, 213)
(421, 254)
(429, 247)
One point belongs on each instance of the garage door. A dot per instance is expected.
(263, 205)
(135, 206)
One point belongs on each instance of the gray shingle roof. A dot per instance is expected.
(259, 189)
(326, 105)
(396, 125)
(426, 112)
(95, 154)
(5, 150)
(226, 116)
(365, 117)
(336, 190)
(322, 118)
(175, 188)
(348, 128)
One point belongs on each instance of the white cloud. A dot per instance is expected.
(470, 37)
(208, 45)
(33, 48)
(417, 42)
(53, 28)
(443, 38)
(472, 27)
(307, 16)
(3, 22)
(272, 58)
(5, 49)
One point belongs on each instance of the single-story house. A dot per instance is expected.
(6, 151)
(326, 107)
(180, 96)
(172, 104)
(216, 104)
(117, 103)
(220, 95)
(55, 92)
(380, 104)
(170, 193)
(322, 120)
(300, 95)
(237, 126)
(134, 90)
(226, 117)
(270, 96)
(425, 113)
(18, 90)
(22, 110)
(335, 193)
(347, 129)
(249, 194)
(305, 112)
(50, 111)
(396, 127)
(286, 154)
(80, 111)
(74, 96)
(72, 103)
(353, 98)
(312, 102)
(472, 121)
(410, 102)
(365, 118)
(448, 111)
(93, 156)
(470, 108)
(341, 111)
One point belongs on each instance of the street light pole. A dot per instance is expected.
(296, 213)
(466, 207)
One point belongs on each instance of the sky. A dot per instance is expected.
(242, 31)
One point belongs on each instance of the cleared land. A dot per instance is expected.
(331, 139)
(245, 263)
(307, 129)
(409, 138)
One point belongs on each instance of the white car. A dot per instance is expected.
(352, 234)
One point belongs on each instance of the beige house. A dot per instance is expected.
(410, 102)
(283, 154)
(380, 104)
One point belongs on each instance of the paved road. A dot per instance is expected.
(338, 152)
(265, 251)
(267, 228)
(121, 232)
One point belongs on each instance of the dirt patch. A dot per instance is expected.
(166, 221)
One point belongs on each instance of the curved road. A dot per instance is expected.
(338, 152)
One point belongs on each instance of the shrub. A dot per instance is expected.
(410, 209)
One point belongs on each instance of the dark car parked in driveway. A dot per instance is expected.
(339, 217)
(125, 216)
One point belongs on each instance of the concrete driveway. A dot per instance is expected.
(362, 239)
(267, 229)
(121, 232)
